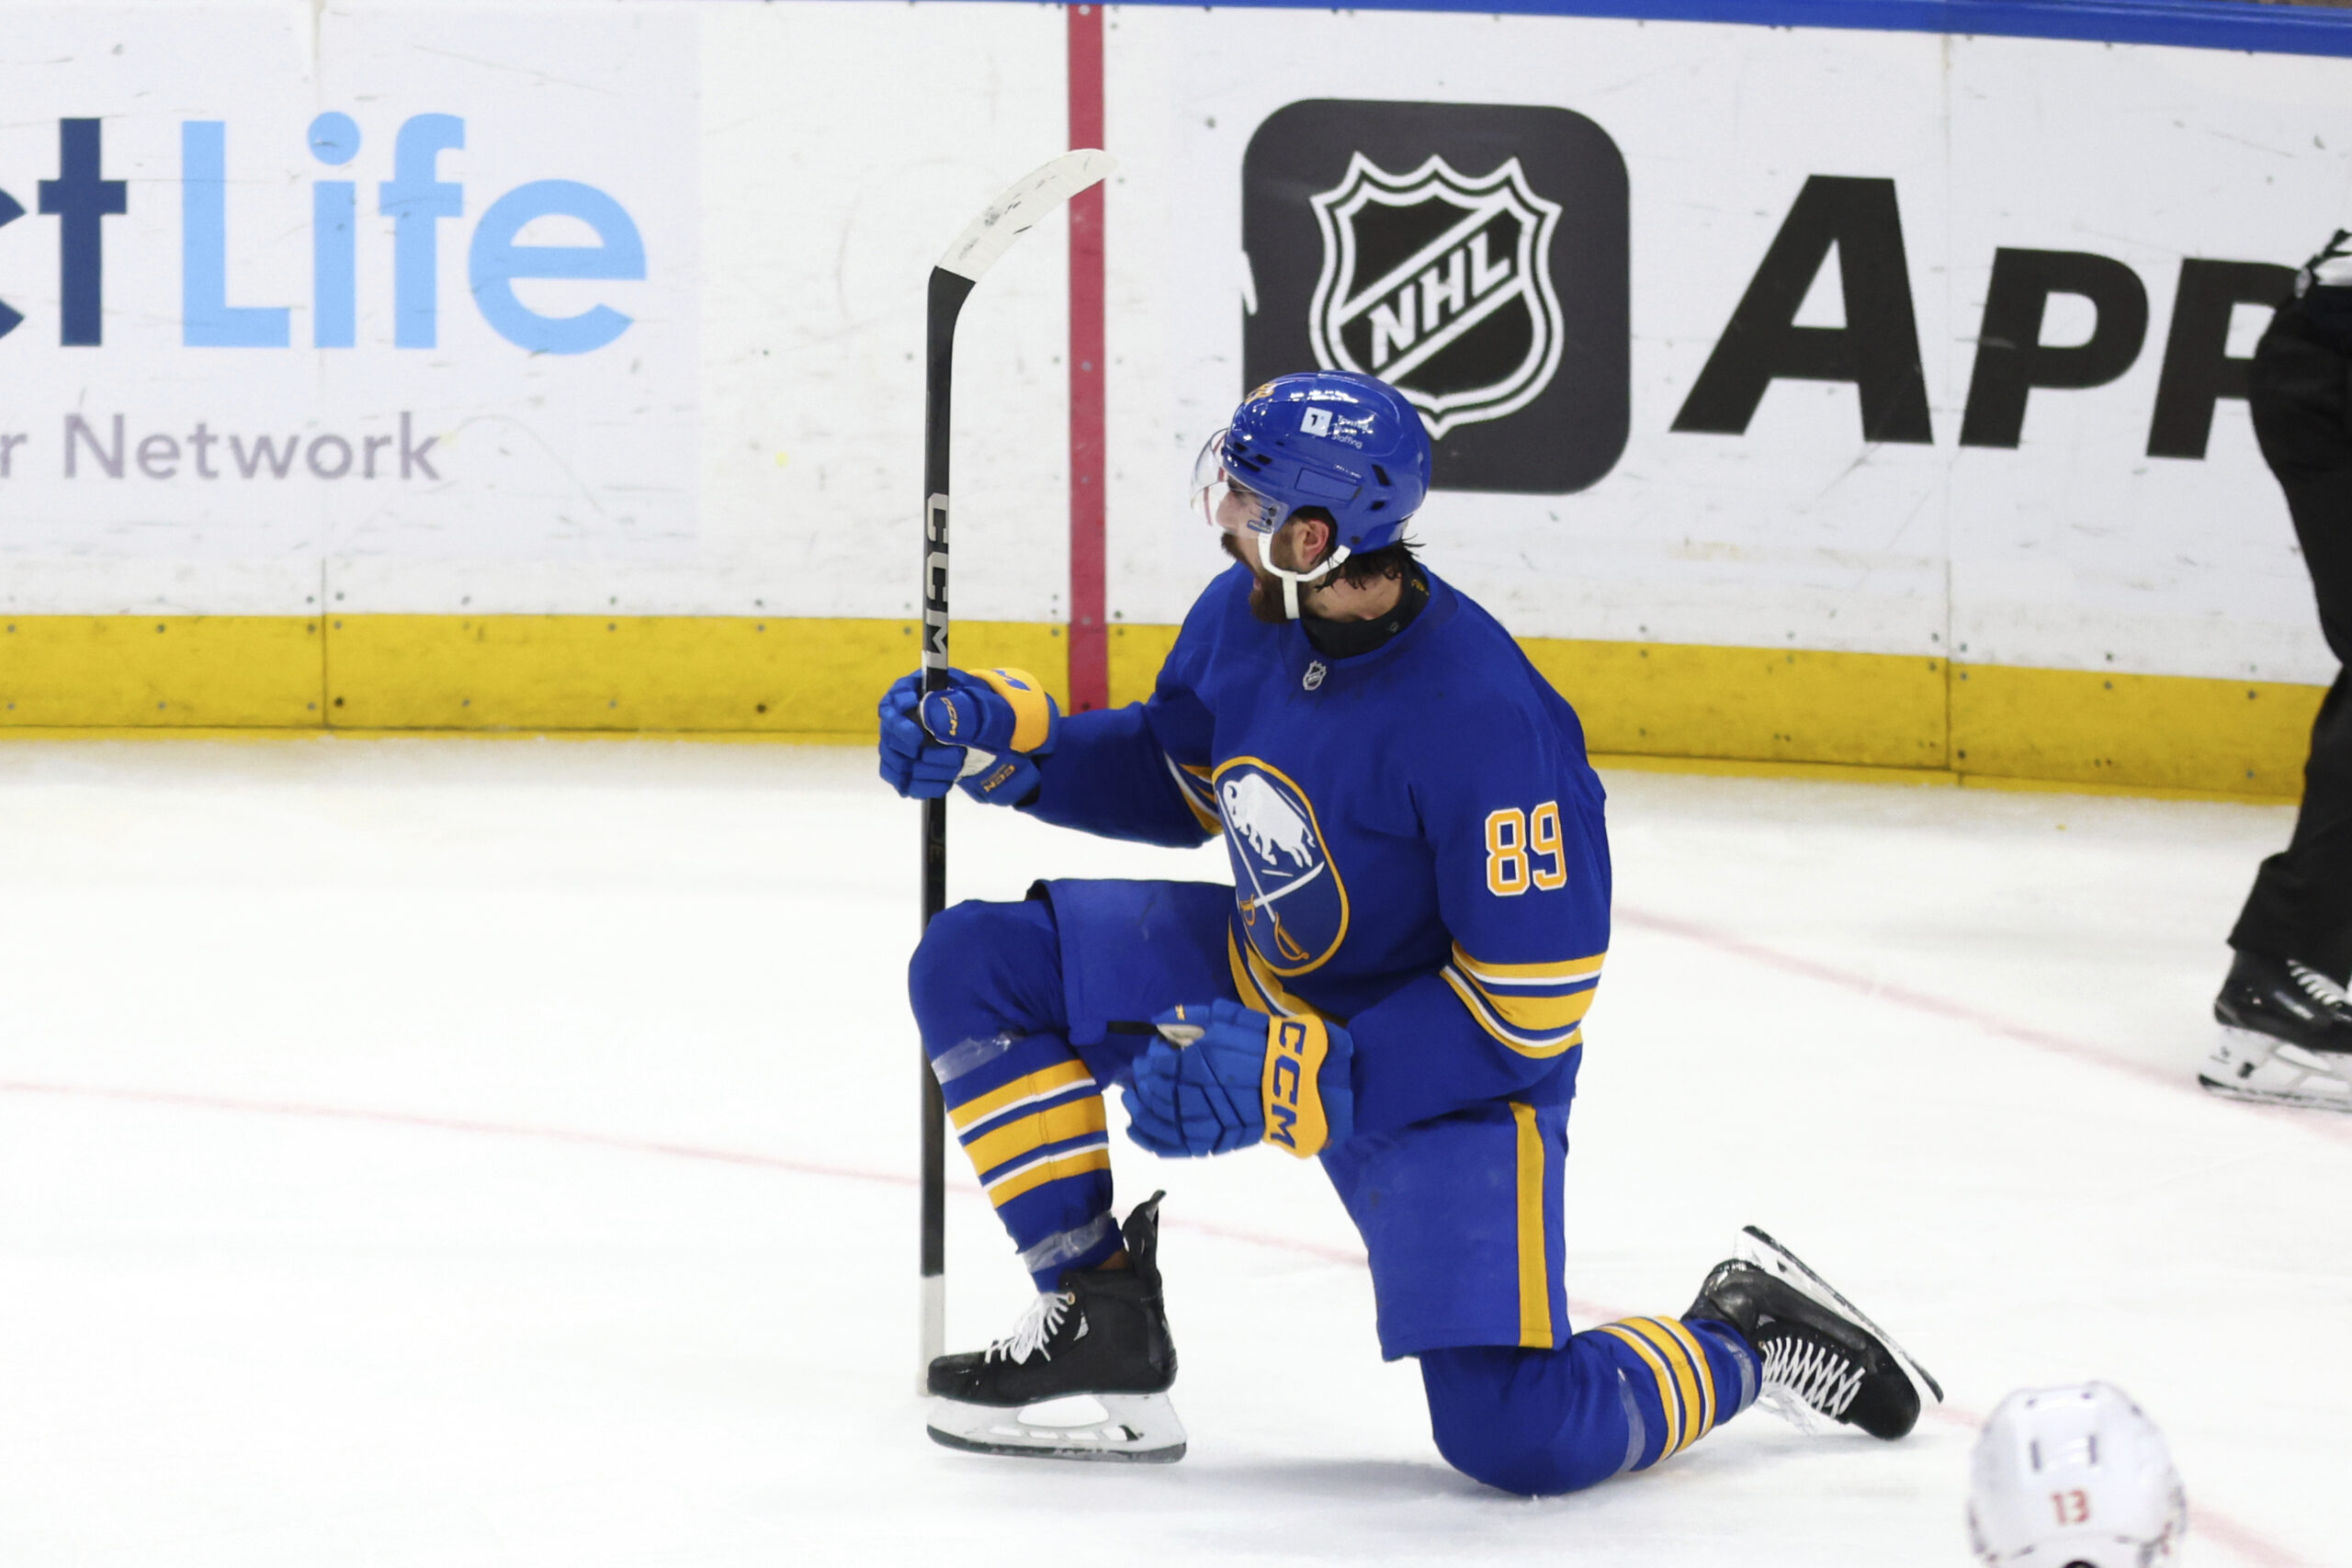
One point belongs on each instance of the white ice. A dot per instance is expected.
(459, 1154)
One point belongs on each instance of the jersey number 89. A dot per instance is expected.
(1523, 848)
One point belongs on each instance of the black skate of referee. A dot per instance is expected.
(2286, 1024)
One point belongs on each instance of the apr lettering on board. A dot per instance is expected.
(1876, 348)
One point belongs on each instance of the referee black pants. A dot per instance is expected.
(2301, 390)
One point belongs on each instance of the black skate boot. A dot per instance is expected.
(1101, 1339)
(1822, 1357)
(2285, 1035)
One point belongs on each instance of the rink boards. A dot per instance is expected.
(1808, 393)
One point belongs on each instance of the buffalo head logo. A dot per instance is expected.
(1294, 910)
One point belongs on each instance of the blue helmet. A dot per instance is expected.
(1347, 443)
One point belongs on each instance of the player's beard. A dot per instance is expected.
(1265, 588)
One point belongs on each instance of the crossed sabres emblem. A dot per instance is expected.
(1485, 270)
(1277, 852)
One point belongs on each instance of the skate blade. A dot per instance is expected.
(1755, 1247)
(1132, 1429)
(2249, 1065)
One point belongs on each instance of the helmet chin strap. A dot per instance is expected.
(1291, 579)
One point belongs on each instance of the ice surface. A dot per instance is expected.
(442, 1154)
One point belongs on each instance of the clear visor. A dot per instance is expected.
(1230, 506)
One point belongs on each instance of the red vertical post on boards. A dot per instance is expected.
(1089, 651)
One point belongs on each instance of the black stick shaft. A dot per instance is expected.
(948, 292)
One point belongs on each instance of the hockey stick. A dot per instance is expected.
(985, 239)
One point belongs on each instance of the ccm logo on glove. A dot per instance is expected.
(1294, 1058)
(1221, 1076)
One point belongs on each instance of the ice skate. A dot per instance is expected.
(2285, 1035)
(1084, 1375)
(1823, 1360)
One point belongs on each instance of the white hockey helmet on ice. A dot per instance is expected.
(2074, 1476)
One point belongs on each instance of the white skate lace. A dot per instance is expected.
(1036, 1325)
(1804, 1381)
(2319, 987)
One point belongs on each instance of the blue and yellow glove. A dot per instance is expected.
(1222, 1076)
(985, 732)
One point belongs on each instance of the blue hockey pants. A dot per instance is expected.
(995, 1008)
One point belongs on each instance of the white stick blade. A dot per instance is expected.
(932, 1341)
(1020, 205)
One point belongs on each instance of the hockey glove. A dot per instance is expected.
(1241, 1077)
(985, 732)
(914, 764)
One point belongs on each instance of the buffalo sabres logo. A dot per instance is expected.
(1293, 908)
(1440, 285)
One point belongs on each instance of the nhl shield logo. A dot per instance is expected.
(1478, 257)
(1439, 284)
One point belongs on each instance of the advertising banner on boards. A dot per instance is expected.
(1853, 340)
(284, 281)
(1848, 340)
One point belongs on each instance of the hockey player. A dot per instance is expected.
(2287, 1027)
(1395, 985)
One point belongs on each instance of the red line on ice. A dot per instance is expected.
(450, 1124)
(2327, 1125)
(2247, 1543)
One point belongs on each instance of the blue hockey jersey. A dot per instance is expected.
(1416, 836)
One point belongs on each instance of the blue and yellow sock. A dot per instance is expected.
(1030, 1115)
(1619, 1397)
(1687, 1377)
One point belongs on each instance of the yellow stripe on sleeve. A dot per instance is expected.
(1535, 1276)
(1034, 1131)
(1030, 1085)
(1029, 1178)
(1666, 1399)
(1534, 1009)
(1191, 788)
(1524, 1044)
(1538, 1015)
(1686, 1381)
(1563, 972)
